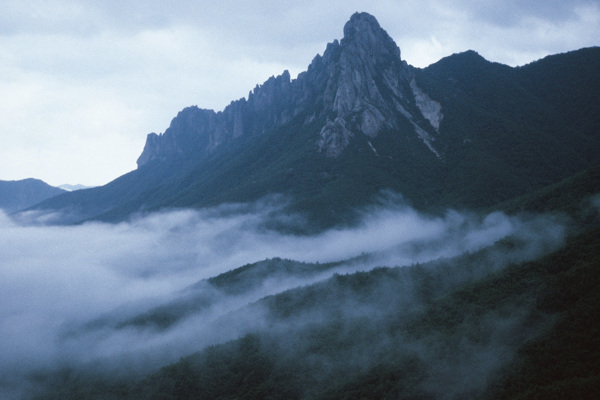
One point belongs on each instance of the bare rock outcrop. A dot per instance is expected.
(359, 86)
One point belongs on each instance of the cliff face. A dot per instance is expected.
(368, 88)
(360, 86)
(195, 132)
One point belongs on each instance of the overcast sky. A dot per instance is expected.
(82, 81)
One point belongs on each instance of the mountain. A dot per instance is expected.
(525, 322)
(18, 195)
(463, 132)
(479, 305)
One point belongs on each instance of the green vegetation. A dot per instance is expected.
(251, 276)
(453, 328)
(567, 196)
(526, 330)
(564, 363)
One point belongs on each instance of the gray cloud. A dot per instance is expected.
(514, 12)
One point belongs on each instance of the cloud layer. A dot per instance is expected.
(54, 281)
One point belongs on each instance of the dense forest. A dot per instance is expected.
(498, 323)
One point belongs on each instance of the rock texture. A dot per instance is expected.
(367, 90)
(360, 86)
(195, 132)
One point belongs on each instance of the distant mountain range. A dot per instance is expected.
(17, 195)
(463, 132)
(21, 194)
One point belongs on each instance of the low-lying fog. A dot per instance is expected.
(56, 280)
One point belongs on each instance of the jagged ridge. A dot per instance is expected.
(463, 132)
(363, 85)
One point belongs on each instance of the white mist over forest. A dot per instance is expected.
(56, 282)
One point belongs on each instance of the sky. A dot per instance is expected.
(83, 82)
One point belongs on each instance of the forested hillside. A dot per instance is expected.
(497, 323)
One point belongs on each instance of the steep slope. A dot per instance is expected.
(507, 130)
(463, 132)
(17, 195)
(359, 86)
(529, 329)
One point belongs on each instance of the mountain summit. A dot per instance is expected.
(361, 82)
(369, 89)
(463, 132)
(362, 31)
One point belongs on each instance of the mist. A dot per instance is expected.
(75, 295)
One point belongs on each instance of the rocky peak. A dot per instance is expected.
(360, 84)
(188, 133)
(368, 89)
(196, 132)
(363, 32)
(272, 93)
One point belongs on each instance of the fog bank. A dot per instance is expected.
(56, 282)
